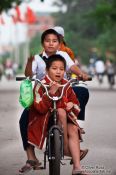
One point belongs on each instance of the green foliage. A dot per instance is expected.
(6, 4)
(35, 45)
(104, 15)
(87, 24)
(79, 45)
(107, 40)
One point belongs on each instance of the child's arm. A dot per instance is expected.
(42, 103)
(73, 102)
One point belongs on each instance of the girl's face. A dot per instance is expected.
(56, 71)
(51, 44)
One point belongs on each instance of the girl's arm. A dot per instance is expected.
(28, 68)
(73, 99)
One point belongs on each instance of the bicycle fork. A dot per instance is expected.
(50, 138)
(48, 151)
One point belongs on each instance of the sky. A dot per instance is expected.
(45, 6)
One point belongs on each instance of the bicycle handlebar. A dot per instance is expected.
(81, 79)
(23, 78)
(54, 98)
(32, 79)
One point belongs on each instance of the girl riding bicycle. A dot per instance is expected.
(67, 108)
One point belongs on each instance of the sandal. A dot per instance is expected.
(30, 164)
(37, 166)
(83, 153)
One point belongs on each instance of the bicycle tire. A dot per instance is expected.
(54, 164)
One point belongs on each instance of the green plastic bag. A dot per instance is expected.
(26, 93)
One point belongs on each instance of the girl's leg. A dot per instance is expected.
(29, 149)
(23, 124)
(32, 161)
(31, 153)
(74, 146)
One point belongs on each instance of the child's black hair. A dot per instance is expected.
(53, 58)
(47, 32)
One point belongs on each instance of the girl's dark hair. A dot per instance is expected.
(53, 58)
(47, 32)
(64, 42)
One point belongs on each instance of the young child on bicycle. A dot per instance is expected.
(67, 108)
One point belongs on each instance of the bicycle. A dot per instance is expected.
(54, 142)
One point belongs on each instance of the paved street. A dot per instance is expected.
(100, 129)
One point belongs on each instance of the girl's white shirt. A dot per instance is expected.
(38, 64)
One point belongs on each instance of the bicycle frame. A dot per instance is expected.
(55, 126)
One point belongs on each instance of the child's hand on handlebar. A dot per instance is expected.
(69, 106)
(54, 86)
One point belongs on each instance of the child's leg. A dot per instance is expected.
(74, 146)
(62, 117)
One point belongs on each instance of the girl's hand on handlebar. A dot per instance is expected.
(54, 86)
(84, 77)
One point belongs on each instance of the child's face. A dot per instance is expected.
(51, 44)
(56, 71)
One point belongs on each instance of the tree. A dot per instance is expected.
(78, 27)
(6, 4)
(105, 17)
(89, 23)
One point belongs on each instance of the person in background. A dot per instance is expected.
(8, 69)
(100, 69)
(15, 68)
(1, 70)
(91, 67)
(110, 72)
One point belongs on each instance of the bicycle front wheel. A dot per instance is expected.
(54, 163)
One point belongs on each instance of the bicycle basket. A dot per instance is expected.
(26, 93)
